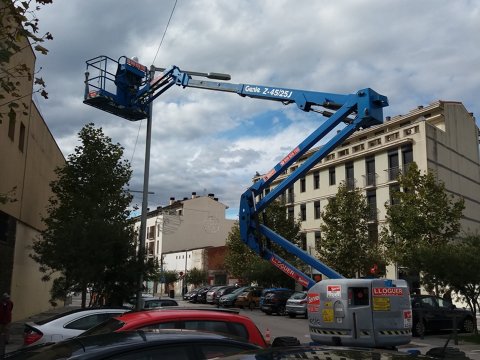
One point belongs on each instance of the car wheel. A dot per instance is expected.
(281, 310)
(306, 315)
(268, 312)
(419, 329)
(467, 325)
(291, 315)
(251, 305)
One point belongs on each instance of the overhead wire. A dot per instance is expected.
(164, 33)
(153, 62)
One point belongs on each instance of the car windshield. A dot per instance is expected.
(105, 327)
(299, 295)
(238, 291)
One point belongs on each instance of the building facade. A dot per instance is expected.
(442, 138)
(186, 234)
(28, 157)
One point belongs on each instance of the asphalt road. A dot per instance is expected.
(276, 326)
(298, 327)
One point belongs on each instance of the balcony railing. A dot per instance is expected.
(392, 173)
(288, 198)
(371, 179)
(350, 183)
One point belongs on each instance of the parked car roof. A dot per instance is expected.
(67, 325)
(138, 344)
(325, 352)
(226, 322)
(152, 302)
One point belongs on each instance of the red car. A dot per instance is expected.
(217, 321)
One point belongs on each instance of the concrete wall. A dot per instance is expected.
(27, 164)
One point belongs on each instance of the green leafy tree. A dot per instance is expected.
(456, 267)
(346, 244)
(89, 239)
(421, 218)
(246, 265)
(169, 277)
(18, 30)
(196, 277)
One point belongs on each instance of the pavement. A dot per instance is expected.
(470, 350)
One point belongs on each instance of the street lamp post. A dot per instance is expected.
(143, 218)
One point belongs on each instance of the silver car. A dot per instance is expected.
(297, 304)
(67, 325)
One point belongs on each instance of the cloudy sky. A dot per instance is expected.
(414, 52)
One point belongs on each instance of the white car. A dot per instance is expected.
(67, 325)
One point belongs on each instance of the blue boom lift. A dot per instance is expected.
(125, 88)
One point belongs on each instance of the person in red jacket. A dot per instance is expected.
(6, 307)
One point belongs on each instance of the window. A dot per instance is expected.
(21, 137)
(290, 196)
(407, 156)
(11, 129)
(375, 142)
(370, 171)
(343, 152)
(226, 327)
(358, 296)
(151, 232)
(318, 239)
(349, 176)
(290, 214)
(331, 175)
(393, 166)
(316, 210)
(303, 241)
(358, 148)
(302, 185)
(372, 204)
(393, 136)
(303, 212)
(89, 321)
(316, 180)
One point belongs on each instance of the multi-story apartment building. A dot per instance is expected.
(28, 157)
(186, 234)
(442, 137)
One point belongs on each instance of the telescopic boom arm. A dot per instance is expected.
(136, 88)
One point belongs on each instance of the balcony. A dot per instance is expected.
(370, 179)
(287, 199)
(350, 183)
(392, 173)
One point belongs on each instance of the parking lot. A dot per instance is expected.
(275, 325)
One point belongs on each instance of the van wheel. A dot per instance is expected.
(467, 325)
(281, 311)
(419, 329)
